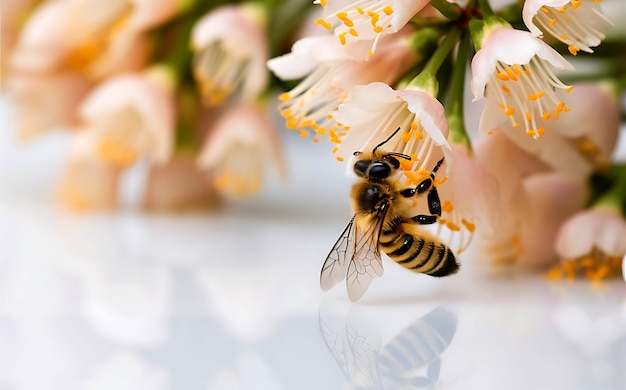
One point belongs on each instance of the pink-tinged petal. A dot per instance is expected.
(45, 102)
(602, 229)
(179, 185)
(127, 52)
(236, 35)
(136, 111)
(239, 147)
(579, 24)
(531, 7)
(366, 115)
(510, 46)
(552, 199)
(148, 14)
(41, 45)
(87, 183)
(355, 22)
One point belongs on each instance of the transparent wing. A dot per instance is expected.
(366, 263)
(335, 267)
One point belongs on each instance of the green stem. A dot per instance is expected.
(458, 134)
(449, 10)
(485, 8)
(426, 80)
(615, 197)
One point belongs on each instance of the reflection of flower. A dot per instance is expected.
(411, 357)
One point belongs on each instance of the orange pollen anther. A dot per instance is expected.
(323, 23)
(388, 10)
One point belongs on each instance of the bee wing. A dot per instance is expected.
(335, 267)
(366, 263)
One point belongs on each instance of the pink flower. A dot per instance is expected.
(131, 116)
(372, 112)
(329, 72)
(97, 38)
(45, 102)
(580, 24)
(516, 72)
(532, 204)
(367, 20)
(593, 242)
(87, 182)
(179, 185)
(584, 139)
(230, 51)
(12, 17)
(238, 149)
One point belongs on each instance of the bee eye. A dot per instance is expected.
(393, 161)
(360, 167)
(356, 154)
(379, 170)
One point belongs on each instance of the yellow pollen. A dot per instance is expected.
(552, 22)
(316, 140)
(509, 111)
(511, 74)
(115, 152)
(515, 124)
(284, 96)
(286, 113)
(490, 132)
(468, 225)
(323, 3)
(564, 37)
(413, 126)
(575, 3)
(304, 133)
(569, 89)
(374, 18)
(517, 70)
(388, 10)
(320, 130)
(360, 10)
(452, 226)
(545, 9)
(541, 130)
(378, 29)
(558, 110)
(406, 165)
(406, 136)
(323, 23)
(530, 133)
(502, 76)
(546, 116)
(440, 182)
(342, 38)
(370, 52)
(529, 117)
(573, 50)
(561, 10)
(506, 90)
(419, 134)
(447, 206)
(339, 158)
(353, 32)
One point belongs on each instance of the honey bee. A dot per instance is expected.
(383, 220)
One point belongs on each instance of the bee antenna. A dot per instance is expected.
(385, 141)
(401, 155)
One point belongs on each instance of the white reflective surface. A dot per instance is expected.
(231, 301)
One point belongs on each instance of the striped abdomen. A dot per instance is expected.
(418, 251)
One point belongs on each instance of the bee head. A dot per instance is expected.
(373, 170)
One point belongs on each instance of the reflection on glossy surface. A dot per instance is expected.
(410, 360)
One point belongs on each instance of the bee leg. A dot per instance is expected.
(425, 219)
(434, 204)
(436, 168)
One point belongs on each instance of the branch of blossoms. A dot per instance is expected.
(185, 87)
(539, 138)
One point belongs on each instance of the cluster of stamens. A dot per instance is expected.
(595, 266)
(219, 73)
(571, 24)
(240, 172)
(527, 93)
(363, 19)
